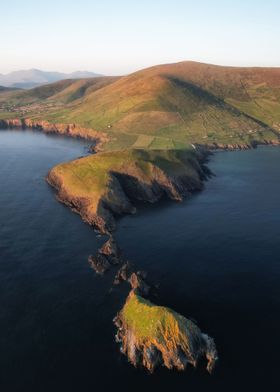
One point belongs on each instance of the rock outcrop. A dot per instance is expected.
(107, 256)
(99, 263)
(153, 335)
(111, 251)
(138, 283)
(123, 274)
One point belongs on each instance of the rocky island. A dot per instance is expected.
(153, 335)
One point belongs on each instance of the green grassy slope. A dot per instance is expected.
(167, 106)
(62, 91)
(155, 335)
(149, 321)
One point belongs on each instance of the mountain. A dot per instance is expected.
(64, 91)
(166, 106)
(35, 77)
(7, 89)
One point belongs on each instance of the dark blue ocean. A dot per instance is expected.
(216, 257)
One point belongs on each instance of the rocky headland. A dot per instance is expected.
(104, 186)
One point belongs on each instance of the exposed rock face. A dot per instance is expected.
(108, 255)
(111, 250)
(99, 263)
(152, 335)
(123, 274)
(72, 130)
(138, 283)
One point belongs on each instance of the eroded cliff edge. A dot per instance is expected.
(106, 185)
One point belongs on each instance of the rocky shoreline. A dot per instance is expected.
(99, 138)
(238, 146)
(72, 130)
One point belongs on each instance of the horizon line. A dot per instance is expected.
(137, 69)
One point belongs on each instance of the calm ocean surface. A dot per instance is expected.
(216, 257)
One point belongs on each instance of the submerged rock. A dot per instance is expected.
(153, 335)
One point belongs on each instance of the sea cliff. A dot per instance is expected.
(73, 130)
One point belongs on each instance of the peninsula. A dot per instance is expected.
(151, 133)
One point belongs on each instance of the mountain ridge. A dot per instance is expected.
(29, 78)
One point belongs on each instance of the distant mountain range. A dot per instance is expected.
(30, 78)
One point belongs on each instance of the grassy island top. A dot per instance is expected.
(157, 323)
(154, 335)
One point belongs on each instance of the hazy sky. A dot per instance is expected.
(116, 37)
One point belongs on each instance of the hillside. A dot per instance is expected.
(39, 101)
(166, 106)
(61, 91)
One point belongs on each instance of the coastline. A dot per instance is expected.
(181, 195)
(100, 138)
(69, 130)
(105, 223)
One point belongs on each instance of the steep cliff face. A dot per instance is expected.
(106, 185)
(72, 130)
(153, 335)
